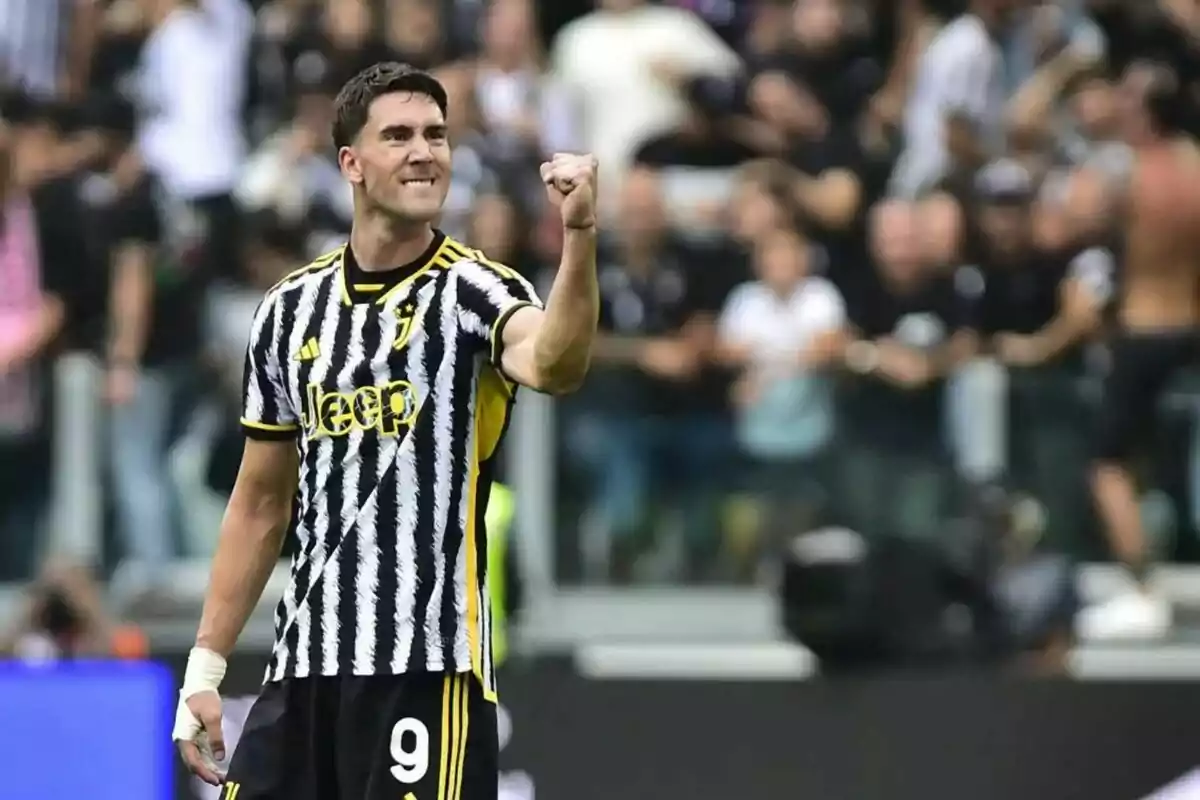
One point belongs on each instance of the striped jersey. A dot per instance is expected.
(391, 384)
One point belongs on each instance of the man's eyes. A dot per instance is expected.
(404, 136)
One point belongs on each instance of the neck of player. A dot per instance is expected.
(380, 242)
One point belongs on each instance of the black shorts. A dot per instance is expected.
(1143, 365)
(428, 736)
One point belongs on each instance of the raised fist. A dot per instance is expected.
(571, 186)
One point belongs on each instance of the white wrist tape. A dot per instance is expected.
(204, 673)
(205, 670)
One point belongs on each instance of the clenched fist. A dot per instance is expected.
(571, 186)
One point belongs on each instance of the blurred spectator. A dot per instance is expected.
(651, 415)
(625, 101)
(157, 281)
(46, 45)
(64, 618)
(781, 331)
(1038, 311)
(821, 58)
(477, 169)
(1152, 212)
(414, 33)
(114, 69)
(294, 173)
(768, 29)
(191, 95)
(895, 32)
(330, 40)
(526, 113)
(726, 17)
(272, 249)
(954, 119)
(809, 99)
(498, 229)
(910, 330)
(41, 250)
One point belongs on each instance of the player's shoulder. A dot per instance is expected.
(319, 267)
(474, 264)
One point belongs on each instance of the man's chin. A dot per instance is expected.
(421, 212)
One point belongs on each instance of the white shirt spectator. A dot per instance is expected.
(31, 44)
(608, 61)
(961, 72)
(792, 416)
(192, 91)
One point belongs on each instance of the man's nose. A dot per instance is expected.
(420, 151)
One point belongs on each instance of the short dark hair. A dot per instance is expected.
(353, 103)
(1163, 98)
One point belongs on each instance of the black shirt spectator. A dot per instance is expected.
(924, 317)
(145, 216)
(676, 299)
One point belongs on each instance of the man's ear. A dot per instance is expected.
(349, 165)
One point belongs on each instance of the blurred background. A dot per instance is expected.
(841, 415)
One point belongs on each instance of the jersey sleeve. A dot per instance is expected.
(267, 411)
(488, 294)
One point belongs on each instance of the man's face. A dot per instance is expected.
(781, 260)
(1007, 228)
(753, 211)
(1131, 96)
(817, 24)
(896, 242)
(642, 217)
(347, 22)
(401, 159)
(1095, 107)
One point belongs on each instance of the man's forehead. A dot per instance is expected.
(409, 109)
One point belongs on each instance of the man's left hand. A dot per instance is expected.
(1019, 350)
(571, 186)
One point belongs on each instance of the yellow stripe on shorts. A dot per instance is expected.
(455, 693)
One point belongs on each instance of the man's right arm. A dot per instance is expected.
(250, 542)
(964, 99)
(252, 534)
(260, 506)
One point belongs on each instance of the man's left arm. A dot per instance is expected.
(1083, 294)
(549, 349)
(546, 348)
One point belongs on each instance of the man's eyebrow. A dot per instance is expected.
(396, 129)
(437, 127)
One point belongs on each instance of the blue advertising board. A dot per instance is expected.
(100, 731)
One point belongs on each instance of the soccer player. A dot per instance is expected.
(379, 381)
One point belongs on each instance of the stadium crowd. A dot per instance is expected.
(844, 276)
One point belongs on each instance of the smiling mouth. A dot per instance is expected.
(418, 182)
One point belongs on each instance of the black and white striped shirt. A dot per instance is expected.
(392, 383)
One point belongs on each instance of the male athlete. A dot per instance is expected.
(382, 376)
(1156, 208)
